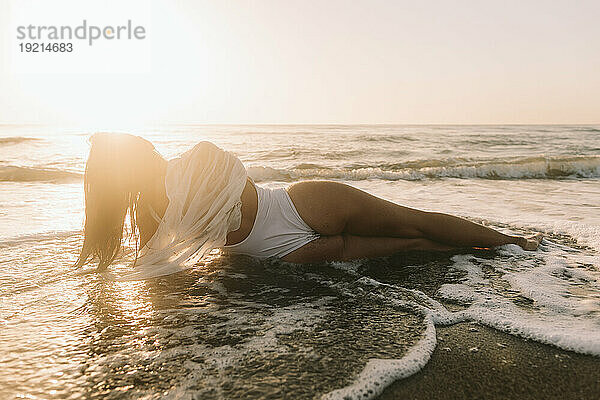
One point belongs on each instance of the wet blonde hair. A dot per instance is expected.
(119, 169)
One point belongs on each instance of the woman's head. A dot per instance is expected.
(119, 168)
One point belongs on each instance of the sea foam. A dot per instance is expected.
(563, 310)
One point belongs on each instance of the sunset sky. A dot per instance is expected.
(405, 62)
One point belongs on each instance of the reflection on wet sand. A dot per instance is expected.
(236, 327)
(232, 328)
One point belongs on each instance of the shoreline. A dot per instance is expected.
(474, 361)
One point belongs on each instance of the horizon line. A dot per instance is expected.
(74, 125)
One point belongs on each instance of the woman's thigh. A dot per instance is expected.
(324, 248)
(332, 208)
(350, 247)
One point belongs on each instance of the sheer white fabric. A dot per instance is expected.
(204, 186)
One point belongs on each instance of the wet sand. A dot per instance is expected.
(476, 362)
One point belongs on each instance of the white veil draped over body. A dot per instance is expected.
(204, 186)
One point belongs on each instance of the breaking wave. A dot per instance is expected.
(13, 173)
(587, 167)
(16, 140)
(582, 167)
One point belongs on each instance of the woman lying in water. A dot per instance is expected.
(181, 209)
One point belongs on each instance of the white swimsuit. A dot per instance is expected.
(278, 228)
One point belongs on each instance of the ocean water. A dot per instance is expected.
(239, 328)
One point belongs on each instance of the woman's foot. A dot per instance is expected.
(530, 243)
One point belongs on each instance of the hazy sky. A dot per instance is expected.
(287, 61)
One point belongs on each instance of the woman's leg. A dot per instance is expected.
(349, 247)
(332, 208)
